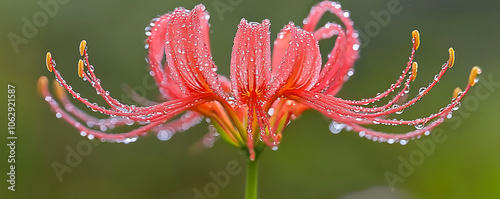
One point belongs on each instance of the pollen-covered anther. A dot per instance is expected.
(83, 47)
(414, 68)
(42, 83)
(451, 59)
(48, 60)
(456, 92)
(80, 68)
(473, 75)
(416, 38)
(59, 90)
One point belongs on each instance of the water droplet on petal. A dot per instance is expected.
(422, 90)
(336, 127)
(419, 126)
(361, 134)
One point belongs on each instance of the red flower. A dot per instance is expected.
(263, 94)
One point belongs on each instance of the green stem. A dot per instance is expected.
(251, 189)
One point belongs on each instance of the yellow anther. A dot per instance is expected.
(59, 90)
(456, 92)
(42, 83)
(80, 68)
(451, 59)
(473, 75)
(416, 38)
(48, 61)
(414, 68)
(83, 45)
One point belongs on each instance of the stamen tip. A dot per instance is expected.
(414, 68)
(451, 59)
(456, 92)
(80, 68)
(83, 46)
(473, 75)
(416, 38)
(48, 61)
(42, 83)
(59, 90)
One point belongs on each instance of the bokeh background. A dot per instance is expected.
(311, 162)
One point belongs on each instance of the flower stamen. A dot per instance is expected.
(416, 38)
(49, 62)
(83, 47)
(451, 59)
(414, 68)
(473, 74)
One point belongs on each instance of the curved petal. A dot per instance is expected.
(345, 52)
(188, 56)
(250, 60)
(300, 65)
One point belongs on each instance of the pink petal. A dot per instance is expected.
(250, 60)
(301, 62)
(188, 57)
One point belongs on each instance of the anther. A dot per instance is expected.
(456, 92)
(80, 68)
(48, 60)
(83, 46)
(416, 38)
(42, 83)
(414, 68)
(451, 59)
(59, 90)
(473, 75)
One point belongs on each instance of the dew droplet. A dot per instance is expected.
(336, 127)
(419, 126)
(164, 135)
(355, 47)
(422, 90)
(390, 141)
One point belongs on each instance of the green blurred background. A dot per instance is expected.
(311, 162)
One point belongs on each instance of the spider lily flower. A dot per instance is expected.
(264, 93)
